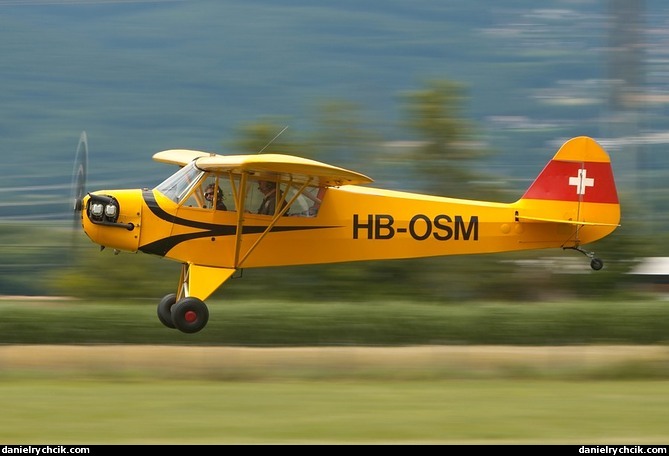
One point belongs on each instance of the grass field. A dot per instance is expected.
(440, 394)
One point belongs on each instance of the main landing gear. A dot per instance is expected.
(188, 315)
(595, 263)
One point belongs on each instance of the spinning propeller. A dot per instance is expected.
(79, 178)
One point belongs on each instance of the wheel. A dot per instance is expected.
(596, 264)
(190, 315)
(165, 310)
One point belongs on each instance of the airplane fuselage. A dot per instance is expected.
(354, 223)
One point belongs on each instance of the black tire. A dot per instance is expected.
(596, 264)
(190, 315)
(165, 310)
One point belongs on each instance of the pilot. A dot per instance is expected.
(209, 196)
(268, 205)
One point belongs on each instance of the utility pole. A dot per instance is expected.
(626, 76)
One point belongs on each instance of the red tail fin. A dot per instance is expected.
(580, 171)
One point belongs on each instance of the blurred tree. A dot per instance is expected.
(444, 160)
(340, 135)
(29, 250)
(95, 274)
(447, 148)
(268, 135)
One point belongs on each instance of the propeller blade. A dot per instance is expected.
(79, 174)
(77, 192)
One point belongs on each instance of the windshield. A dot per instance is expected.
(176, 186)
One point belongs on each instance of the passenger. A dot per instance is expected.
(268, 205)
(209, 196)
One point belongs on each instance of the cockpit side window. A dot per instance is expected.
(212, 191)
(204, 194)
(177, 186)
(267, 197)
(305, 204)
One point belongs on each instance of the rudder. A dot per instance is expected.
(576, 188)
(580, 171)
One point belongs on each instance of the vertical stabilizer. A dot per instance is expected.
(575, 188)
(579, 172)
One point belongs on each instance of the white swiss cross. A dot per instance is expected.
(581, 182)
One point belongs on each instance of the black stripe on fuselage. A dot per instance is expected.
(162, 246)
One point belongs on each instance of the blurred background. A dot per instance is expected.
(467, 99)
(461, 99)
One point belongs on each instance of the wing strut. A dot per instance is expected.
(241, 195)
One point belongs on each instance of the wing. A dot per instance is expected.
(179, 157)
(299, 169)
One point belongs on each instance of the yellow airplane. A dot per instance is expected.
(221, 213)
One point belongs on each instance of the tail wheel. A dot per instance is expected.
(595, 263)
(190, 315)
(165, 310)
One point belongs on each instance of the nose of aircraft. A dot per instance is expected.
(113, 218)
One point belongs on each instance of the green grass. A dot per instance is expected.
(285, 323)
(80, 411)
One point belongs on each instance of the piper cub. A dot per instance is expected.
(220, 213)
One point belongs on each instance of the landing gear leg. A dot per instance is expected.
(595, 263)
(183, 310)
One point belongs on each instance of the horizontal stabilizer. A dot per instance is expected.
(568, 222)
